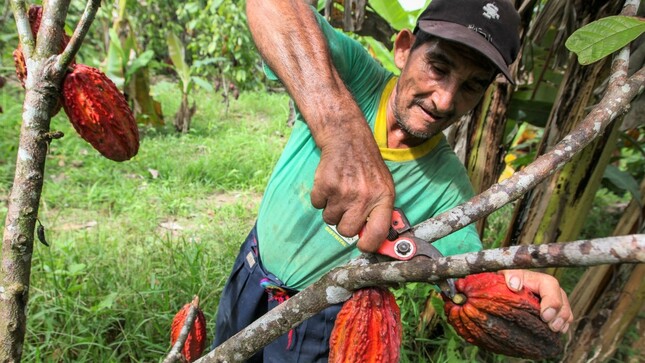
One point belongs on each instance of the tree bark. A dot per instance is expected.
(45, 73)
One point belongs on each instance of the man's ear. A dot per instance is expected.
(402, 47)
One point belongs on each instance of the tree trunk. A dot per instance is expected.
(184, 114)
(555, 210)
(608, 299)
(45, 75)
(485, 151)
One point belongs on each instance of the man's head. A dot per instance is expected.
(489, 27)
(446, 65)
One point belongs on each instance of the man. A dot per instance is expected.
(364, 142)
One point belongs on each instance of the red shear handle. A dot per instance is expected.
(397, 246)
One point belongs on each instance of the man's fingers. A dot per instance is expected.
(376, 228)
(555, 309)
(318, 198)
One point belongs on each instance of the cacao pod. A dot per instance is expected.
(100, 113)
(367, 328)
(486, 313)
(196, 340)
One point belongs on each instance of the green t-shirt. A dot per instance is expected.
(295, 243)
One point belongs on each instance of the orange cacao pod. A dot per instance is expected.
(367, 328)
(99, 113)
(196, 340)
(486, 313)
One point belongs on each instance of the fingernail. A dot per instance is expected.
(557, 324)
(548, 314)
(566, 328)
(514, 282)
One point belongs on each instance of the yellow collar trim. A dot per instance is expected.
(380, 133)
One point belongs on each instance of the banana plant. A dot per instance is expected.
(177, 51)
(127, 67)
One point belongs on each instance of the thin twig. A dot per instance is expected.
(65, 59)
(175, 353)
(24, 29)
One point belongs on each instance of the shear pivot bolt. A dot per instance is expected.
(403, 247)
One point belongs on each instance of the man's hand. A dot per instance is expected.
(352, 184)
(354, 187)
(554, 306)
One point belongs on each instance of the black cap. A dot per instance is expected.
(491, 27)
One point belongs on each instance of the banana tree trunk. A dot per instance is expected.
(185, 114)
(556, 209)
(608, 299)
(485, 151)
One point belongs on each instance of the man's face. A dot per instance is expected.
(440, 81)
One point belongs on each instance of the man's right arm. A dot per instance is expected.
(352, 183)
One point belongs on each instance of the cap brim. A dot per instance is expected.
(461, 34)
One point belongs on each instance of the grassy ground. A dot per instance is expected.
(130, 243)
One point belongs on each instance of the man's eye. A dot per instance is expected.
(474, 87)
(437, 69)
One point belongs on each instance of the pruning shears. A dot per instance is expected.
(401, 244)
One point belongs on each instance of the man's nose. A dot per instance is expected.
(444, 97)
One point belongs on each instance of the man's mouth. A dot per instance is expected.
(434, 117)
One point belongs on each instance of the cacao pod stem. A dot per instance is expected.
(187, 334)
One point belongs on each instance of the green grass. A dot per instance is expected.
(132, 242)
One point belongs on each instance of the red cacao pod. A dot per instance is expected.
(100, 113)
(367, 329)
(196, 340)
(486, 313)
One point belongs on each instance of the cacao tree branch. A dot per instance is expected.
(175, 353)
(18, 7)
(337, 285)
(65, 58)
(52, 28)
(42, 95)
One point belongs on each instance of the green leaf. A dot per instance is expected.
(106, 303)
(76, 268)
(534, 112)
(382, 54)
(141, 61)
(116, 43)
(176, 49)
(601, 38)
(393, 12)
(203, 84)
(623, 181)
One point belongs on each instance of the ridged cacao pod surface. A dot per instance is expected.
(486, 313)
(196, 340)
(100, 113)
(367, 329)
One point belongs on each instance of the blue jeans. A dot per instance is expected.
(246, 298)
